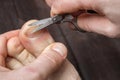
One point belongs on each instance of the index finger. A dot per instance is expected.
(50, 2)
(10, 34)
(70, 6)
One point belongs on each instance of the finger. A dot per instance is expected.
(14, 46)
(16, 50)
(3, 45)
(11, 34)
(34, 42)
(49, 2)
(50, 59)
(66, 70)
(98, 24)
(3, 50)
(70, 6)
(12, 63)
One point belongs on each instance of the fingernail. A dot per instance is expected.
(60, 49)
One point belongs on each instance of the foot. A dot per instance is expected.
(24, 47)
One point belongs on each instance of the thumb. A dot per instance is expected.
(70, 6)
(49, 60)
(98, 24)
(49, 2)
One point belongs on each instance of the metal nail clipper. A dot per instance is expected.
(58, 19)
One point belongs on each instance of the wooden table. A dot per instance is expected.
(95, 57)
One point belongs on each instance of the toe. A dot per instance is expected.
(35, 42)
(17, 51)
(12, 63)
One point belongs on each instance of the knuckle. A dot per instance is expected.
(56, 7)
(112, 32)
(49, 2)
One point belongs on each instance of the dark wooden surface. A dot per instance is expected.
(95, 57)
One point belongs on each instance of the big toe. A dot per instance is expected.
(36, 42)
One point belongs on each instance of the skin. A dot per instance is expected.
(37, 54)
(105, 22)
